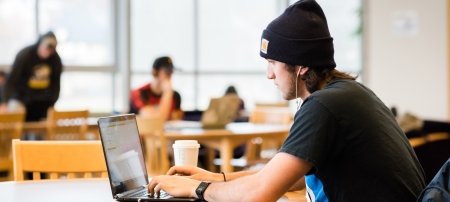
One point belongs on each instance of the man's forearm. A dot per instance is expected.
(268, 184)
(165, 105)
(235, 190)
(235, 175)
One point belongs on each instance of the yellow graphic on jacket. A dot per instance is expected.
(40, 77)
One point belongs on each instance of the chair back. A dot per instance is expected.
(272, 104)
(11, 126)
(59, 159)
(271, 115)
(67, 125)
(151, 129)
(257, 150)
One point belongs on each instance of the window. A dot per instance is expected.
(86, 90)
(17, 22)
(211, 42)
(344, 24)
(84, 30)
(162, 28)
(230, 33)
(216, 44)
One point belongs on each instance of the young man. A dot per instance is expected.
(35, 77)
(345, 143)
(157, 98)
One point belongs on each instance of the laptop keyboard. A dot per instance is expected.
(140, 193)
(144, 193)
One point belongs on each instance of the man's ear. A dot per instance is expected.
(301, 70)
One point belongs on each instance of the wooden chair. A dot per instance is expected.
(271, 115)
(67, 125)
(258, 150)
(272, 104)
(73, 159)
(151, 130)
(11, 126)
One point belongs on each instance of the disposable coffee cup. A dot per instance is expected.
(186, 152)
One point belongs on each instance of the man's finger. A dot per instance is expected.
(151, 186)
(157, 190)
(177, 170)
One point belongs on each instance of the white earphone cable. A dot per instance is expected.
(296, 92)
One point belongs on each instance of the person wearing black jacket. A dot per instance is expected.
(35, 77)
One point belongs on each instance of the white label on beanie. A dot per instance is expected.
(264, 45)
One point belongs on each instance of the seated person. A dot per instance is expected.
(231, 91)
(157, 97)
(239, 151)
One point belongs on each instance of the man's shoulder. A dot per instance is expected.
(27, 51)
(342, 89)
(142, 87)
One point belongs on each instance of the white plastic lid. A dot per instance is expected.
(186, 144)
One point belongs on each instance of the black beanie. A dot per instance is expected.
(299, 36)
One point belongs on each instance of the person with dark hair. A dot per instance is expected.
(157, 97)
(3, 78)
(231, 91)
(35, 77)
(344, 144)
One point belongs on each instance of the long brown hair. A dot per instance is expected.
(315, 76)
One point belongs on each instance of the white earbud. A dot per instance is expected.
(298, 72)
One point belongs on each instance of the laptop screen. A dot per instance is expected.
(123, 153)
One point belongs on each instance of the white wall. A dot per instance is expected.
(406, 55)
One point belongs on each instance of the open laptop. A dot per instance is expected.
(220, 112)
(125, 160)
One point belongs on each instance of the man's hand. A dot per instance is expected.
(177, 186)
(195, 173)
(166, 85)
(165, 81)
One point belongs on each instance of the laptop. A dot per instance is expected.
(125, 160)
(220, 112)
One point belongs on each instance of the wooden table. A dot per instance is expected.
(226, 139)
(87, 190)
(41, 126)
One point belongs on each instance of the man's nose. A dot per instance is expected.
(270, 74)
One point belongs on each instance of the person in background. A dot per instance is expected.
(158, 97)
(3, 78)
(231, 91)
(35, 78)
(238, 151)
(344, 142)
